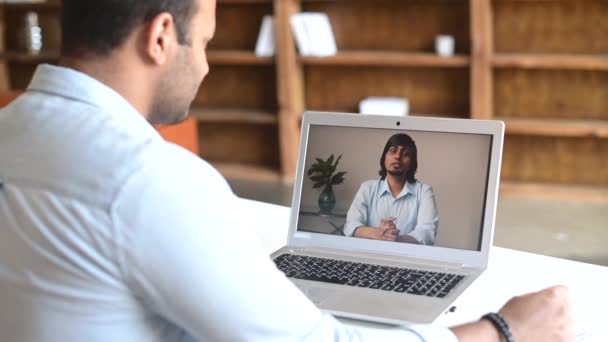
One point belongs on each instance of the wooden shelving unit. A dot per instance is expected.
(551, 61)
(589, 194)
(540, 66)
(556, 128)
(388, 58)
(25, 57)
(546, 78)
(234, 115)
(237, 106)
(228, 57)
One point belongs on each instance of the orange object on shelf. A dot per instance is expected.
(184, 134)
(8, 96)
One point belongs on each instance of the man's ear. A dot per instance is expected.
(161, 38)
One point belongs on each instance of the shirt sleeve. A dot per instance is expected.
(191, 260)
(357, 213)
(428, 219)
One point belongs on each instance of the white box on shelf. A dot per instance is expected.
(266, 45)
(302, 38)
(398, 106)
(314, 35)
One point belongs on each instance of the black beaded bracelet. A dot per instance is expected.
(501, 325)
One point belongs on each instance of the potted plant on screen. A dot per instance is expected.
(323, 174)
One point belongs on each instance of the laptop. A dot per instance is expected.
(364, 250)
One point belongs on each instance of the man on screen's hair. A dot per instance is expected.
(109, 233)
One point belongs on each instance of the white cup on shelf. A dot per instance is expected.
(444, 45)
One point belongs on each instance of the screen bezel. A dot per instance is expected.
(468, 258)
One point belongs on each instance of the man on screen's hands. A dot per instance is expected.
(388, 229)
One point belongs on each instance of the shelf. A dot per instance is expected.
(244, 1)
(237, 57)
(556, 127)
(247, 172)
(26, 57)
(554, 191)
(214, 57)
(38, 4)
(388, 58)
(235, 115)
(551, 61)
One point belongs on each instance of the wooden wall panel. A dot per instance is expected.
(238, 25)
(576, 26)
(238, 86)
(4, 74)
(21, 74)
(395, 24)
(290, 94)
(556, 160)
(482, 104)
(240, 144)
(430, 91)
(551, 94)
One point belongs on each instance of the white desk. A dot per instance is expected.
(509, 273)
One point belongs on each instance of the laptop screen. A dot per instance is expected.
(401, 186)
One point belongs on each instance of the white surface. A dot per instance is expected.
(510, 273)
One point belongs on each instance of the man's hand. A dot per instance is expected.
(541, 316)
(387, 231)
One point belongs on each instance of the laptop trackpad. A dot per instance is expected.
(373, 303)
(319, 295)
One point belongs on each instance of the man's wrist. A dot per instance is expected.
(359, 232)
(500, 326)
(491, 332)
(481, 330)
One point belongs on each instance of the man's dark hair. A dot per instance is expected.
(401, 139)
(99, 26)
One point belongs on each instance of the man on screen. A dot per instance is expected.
(395, 207)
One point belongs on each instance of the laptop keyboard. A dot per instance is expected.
(403, 280)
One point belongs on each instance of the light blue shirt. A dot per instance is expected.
(109, 233)
(414, 208)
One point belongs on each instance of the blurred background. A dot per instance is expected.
(541, 66)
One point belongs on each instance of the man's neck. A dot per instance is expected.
(395, 184)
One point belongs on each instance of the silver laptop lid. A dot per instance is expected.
(448, 205)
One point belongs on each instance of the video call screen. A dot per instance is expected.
(401, 186)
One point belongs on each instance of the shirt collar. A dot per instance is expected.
(407, 189)
(78, 86)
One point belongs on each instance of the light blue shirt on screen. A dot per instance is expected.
(414, 208)
(109, 233)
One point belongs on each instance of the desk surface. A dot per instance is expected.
(509, 273)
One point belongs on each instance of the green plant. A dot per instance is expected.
(322, 172)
